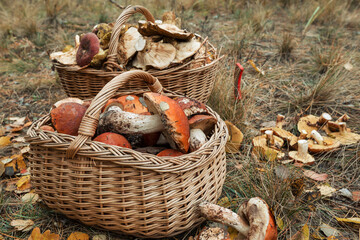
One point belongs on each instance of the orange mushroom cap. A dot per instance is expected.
(169, 152)
(113, 139)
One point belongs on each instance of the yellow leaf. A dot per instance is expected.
(280, 223)
(225, 202)
(353, 222)
(36, 235)
(303, 234)
(4, 141)
(20, 162)
(78, 236)
(23, 180)
(235, 138)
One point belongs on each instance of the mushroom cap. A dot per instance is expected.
(176, 124)
(346, 137)
(332, 126)
(164, 29)
(185, 50)
(307, 159)
(262, 141)
(126, 47)
(191, 106)
(155, 54)
(204, 122)
(113, 139)
(308, 123)
(89, 47)
(169, 152)
(133, 103)
(282, 133)
(67, 56)
(68, 100)
(67, 117)
(110, 103)
(235, 138)
(329, 144)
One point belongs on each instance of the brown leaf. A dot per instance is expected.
(315, 176)
(30, 197)
(326, 190)
(27, 124)
(4, 141)
(78, 236)
(21, 165)
(17, 129)
(2, 131)
(297, 186)
(22, 225)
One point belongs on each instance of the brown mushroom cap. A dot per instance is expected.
(263, 150)
(235, 138)
(164, 29)
(67, 117)
(89, 47)
(191, 106)
(204, 122)
(262, 141)
(329, 144)
(176, 124)
(113, 139)
(308, 123)
(302, 154)
(169, 152)
(344, 136)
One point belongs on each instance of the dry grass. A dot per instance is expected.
(310, 78)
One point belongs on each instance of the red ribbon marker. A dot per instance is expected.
(237, 87)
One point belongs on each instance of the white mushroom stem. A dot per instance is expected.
(225, 216)
(324, 118)
(270, 140)
(342, 127)
(118, 121)
(303, 134)
(197, 139)
(280, 121)
(303, 147)
(318, 138)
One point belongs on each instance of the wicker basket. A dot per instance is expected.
(192, 82)
(120, 189)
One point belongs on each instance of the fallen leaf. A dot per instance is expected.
(11, 186)
(297, 186)
(233, 233)
(353, 222)
(356, 196)
(226, 203)
(21, 165)
(303, 234)
(239, 166)
(326, 190)
(19, 121)
(47, 235)
(311, 195)
(30, 198)
(348, 66)
(280, 223)
(25, 150)
(19, 140)
(4, 141)
(261, 169)
(346, 193)
(99, 237)
(22, 225)
(328, 230)
(298, 164)
(78, 236)
(2, 168)
(282, 172)
(27, 124)
(255, 67)
(2, 131)
(17, 129)
(22, 181)
(315, 176)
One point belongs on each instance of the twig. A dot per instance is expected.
(116, 4)
(10, 236)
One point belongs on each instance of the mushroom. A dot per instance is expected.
(158, 55)
(126, 47)
(278, 129)
(99, 58)
(254, 219)
(214, 233)
(113, 139)
(103, 32)
(235, 138)
(164, 29)
(294, 141)
(311, 122)
(129, 103)
(47, 128)
(344, 136)
(185, 50)
(67, 57)
(89, 47)
(334, 126)
(267, 146)
(68, 100)
(169, 152)
(322, 144)
(200, 126)
(191, 106)
(197, 139)
(302, 155)
(67, 117)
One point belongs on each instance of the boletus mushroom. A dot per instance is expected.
(191, 106)
(254, 219)
(302, 155)
(113, 139)
(200, 126)
(169, 153)
(89, 47)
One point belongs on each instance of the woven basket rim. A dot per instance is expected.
(131, 157)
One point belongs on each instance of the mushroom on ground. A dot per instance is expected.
(311, 122)
(344, 136)
(294, 141)
(278, 129)
(322, 144)
(158, 55)
(113, 139)
(334, 126)
(267, 146)
(253, 221)
(191, 106)
(89, 47)
(235, 138)
(302, 155)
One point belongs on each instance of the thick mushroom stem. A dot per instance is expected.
(318, 138)
(303, 134)
(225, 216)
(342, 128)
(280, 121)
(343, 118)
(270, 140)
(303, 147)
(324, 119)
(118, 121)
(197, 139)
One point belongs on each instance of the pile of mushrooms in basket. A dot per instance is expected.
(158, 45)
(152, 123)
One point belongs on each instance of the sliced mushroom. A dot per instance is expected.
(155, 54)
(302, 155)
(345, 137)
(322, 144)
(278, 129)
(126, 47)
(235, 138)
(177, 130)
(67, 57)
(185, 50)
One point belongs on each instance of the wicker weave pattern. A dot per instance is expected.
(86, 83)
(120, 189)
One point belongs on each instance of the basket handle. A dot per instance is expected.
(111, 62)
(90, 120)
